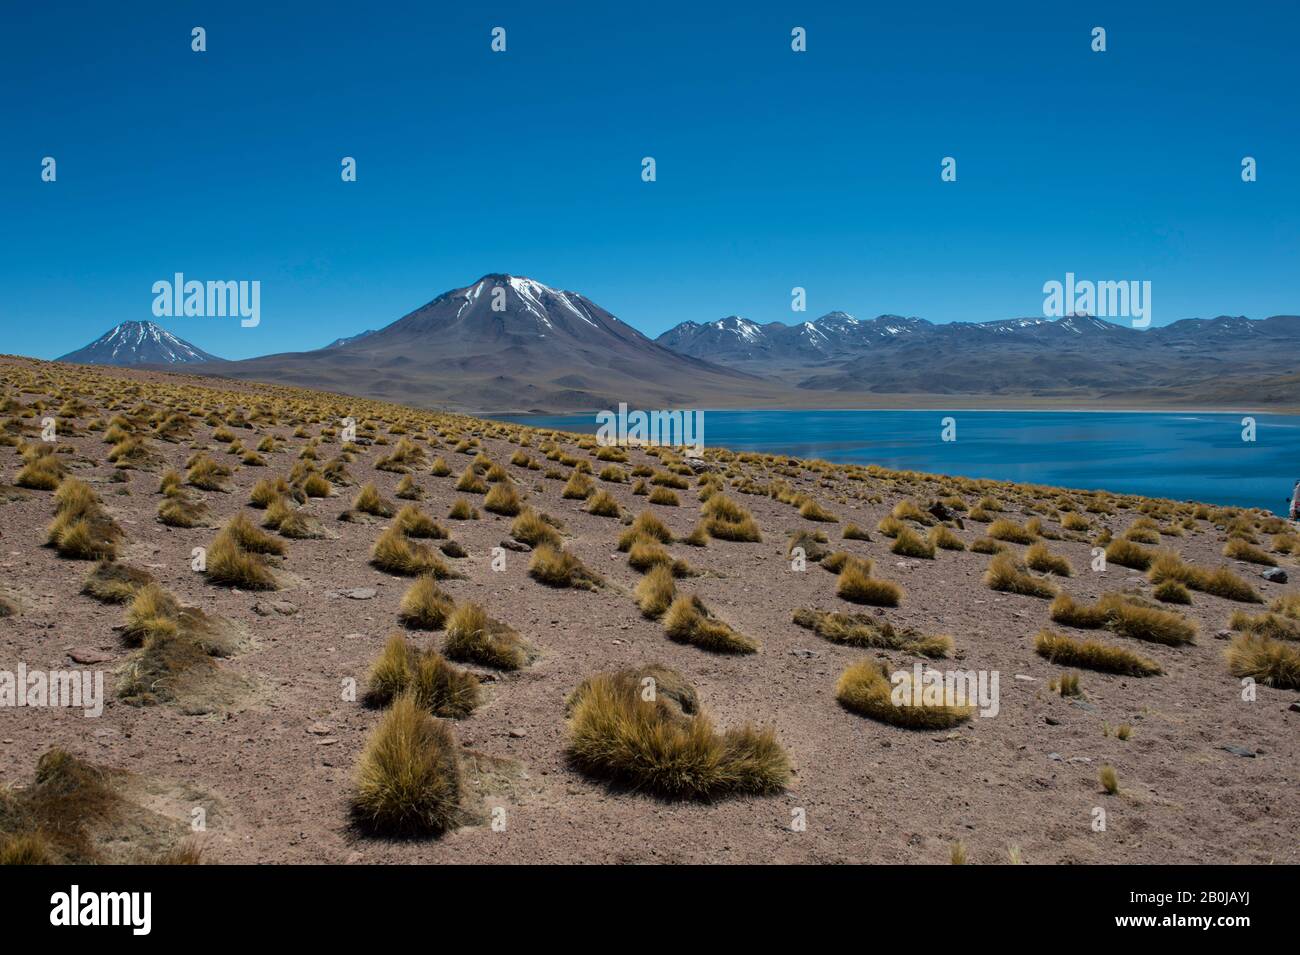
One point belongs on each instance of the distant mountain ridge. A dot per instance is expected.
(510, 343)
(138, 343)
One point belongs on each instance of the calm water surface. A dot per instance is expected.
(1184, 456)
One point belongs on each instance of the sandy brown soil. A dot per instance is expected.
(278, 767)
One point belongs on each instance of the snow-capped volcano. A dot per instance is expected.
(138, 343)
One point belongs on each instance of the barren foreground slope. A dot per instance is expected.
(236, 702)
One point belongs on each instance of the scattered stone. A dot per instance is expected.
(1079, 759)
(1274, 575)
(1238, 751)
(802, 653)
(1027, 679)
(1051, 721)
(510, 543)
(1083, 705)
(518, 733)
(1223, 635)
(1056, 757)
(88, 655)
(1294, 707)
(359, 593)
(318, 729)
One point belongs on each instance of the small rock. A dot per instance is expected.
(1223, 635)
(518, 733)
(318, 729)
(510, 543)
(1027, 679)
(359, 593)
(284, 608)
(1051, 721)
(1294, 707)
(802, 653)
(1275, 575)
(1238, 751)
(1056, 757)
(87, 655)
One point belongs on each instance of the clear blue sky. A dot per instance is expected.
(775, 169)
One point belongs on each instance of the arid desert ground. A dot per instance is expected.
(235, 706)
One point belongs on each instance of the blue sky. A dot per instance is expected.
(775, 169)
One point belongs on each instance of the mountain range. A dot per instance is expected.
(509, 343)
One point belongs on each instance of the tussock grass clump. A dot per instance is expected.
(408, 781)
(1074, 522)
(852, 532)
(664, 496)
(1039, 558)
(232, 566)
(115, 583)
(462, 510)
(812, 543)
(81, 529)
(856, 584)
(1109, 779)
(178, 509)
(206, 474)
(687, 620)
(408, 490)
(862, 630)
(603, 504)
(987, 545)
(810, 510)
(1172, 592)
(1126, 617)
(1006, 575)
(559, 568)
(370, 501)
(152, 612)
(439, 468)
(1271, 662)
(474, 637)
(41, 473)
(1092, 655)
(578, 487)
(424, 606)
(1220, 582)
(424, 675)
(1270, 624)
(907, 543)
(533, 529)
(642, 729)
(655, 591)
(1239, 549)
(647, 526)
(253, 539)
(865, 688)
(470, 483)
(1007, 530)
(1128, 554)
(502, 499)
(943, 538)
(909, 510)
(395, 553)
(416, 523)
(729, 521)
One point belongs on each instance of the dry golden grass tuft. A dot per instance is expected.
(1006, 530)
(1039, 558)
(81, 529)
(603, 504)
(559, 568)
(502, 499)
(533, 529)
(865, 688)
(944, 539)
(1128, 554)
(1006, 575)
(1238, 549)
(655, 591)
(424, 606)
(856, 585)
(474, 637)
(1092, 655)
(907, 543)
(408, 781)
(115, 583)
(862, 630)
(642, 729)
(1271, 662)
(416, 523)
(395, 553)
(437, 686)
(229, 564)
(370, 501)
(727, 520)
(687, 620)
